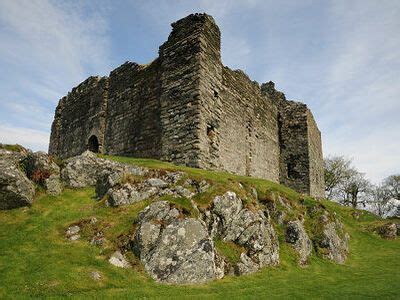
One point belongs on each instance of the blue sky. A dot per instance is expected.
(342, 58)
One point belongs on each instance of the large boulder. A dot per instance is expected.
(172, 248)
(128, 193)
(107, 180)
(123, 188)
(41, 169)
(86, 169)
(16, 189)
(40, 164)
(334, 242)
(230, 221)
(298, 238)
(53, 184)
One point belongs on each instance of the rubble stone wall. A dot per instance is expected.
(133, 112)
(293, 136)
(79, 115)
(316, 159)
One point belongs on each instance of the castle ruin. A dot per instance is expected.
(188, 108)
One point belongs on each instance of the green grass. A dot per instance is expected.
(36, 260)
(229, 250)
(12, 147)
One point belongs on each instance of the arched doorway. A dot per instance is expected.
(93, 144)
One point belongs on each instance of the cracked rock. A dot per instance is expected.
(172, 249)
(16, 190)
(298, 238)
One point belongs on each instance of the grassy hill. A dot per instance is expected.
(37, 260)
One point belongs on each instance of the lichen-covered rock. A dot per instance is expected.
(118, 259)
(72, 233)
(298, 238)
(334, 242)
(174, 249)
(86, 169)
(120, 192)
(40, 163)
(95, 275)
(177, 191)
(15, 156)
(388, 231)
(173, 177)
(246, 265)
(16, 189)
(156, 182)
(41, 169)
(200, 186)
(107, 180)
(53, 185)
(229, 221)
(128, 194)
(279, 215)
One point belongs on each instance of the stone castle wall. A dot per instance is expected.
(186, 107)
(133, 112)
(79, 115)
(316, 168)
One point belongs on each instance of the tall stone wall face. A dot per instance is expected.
(316, 160)
(133, 113)
(238, 125)
(210, 88)
(80, 115)
(180, 93)
(293, 137)
(249, 129)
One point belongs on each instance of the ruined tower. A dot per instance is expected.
(187, 108)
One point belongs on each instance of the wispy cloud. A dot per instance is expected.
(47, 47)
(359, 108)
(30, 138)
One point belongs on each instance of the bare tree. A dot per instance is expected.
(380, 201)
(354, 189)
(337, 170)
(345, 184)
(392, 185)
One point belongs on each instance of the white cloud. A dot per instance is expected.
(46, 48)
(30, 138)
(49, 37)
(359, 108)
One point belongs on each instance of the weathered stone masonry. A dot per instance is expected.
(186, 107)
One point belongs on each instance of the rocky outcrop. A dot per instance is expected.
(129, 193)
(123, 188)
(388, 231)
(174, 249)
(41, 169)
(334, 242)
(53, 185)
(118, 259)
(86, 169)
(230, 221)
(39, 165)
(298, 238)
(16, 189)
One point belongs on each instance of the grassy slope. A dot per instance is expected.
(36, 260)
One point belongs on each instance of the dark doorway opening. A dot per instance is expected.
(93, 144)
